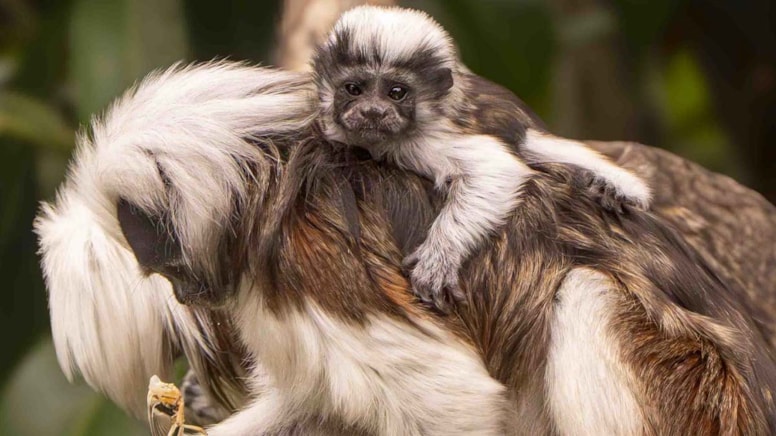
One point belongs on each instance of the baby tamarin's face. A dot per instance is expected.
(372, 108)
(384, 76)
(370, 105)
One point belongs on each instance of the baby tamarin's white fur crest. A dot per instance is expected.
(376, 49)
(396, 32)
(110, 323)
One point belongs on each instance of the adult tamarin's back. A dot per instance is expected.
(492, 109)
(574, 304)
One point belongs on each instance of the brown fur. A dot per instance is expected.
(685, 333)
(675, 309)
(491, 109)
(733, 228)
(332, 228)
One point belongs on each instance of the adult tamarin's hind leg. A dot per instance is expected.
(612, 370)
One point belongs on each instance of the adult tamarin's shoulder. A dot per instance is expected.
(492, 109)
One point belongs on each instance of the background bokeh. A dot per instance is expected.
(697, 77)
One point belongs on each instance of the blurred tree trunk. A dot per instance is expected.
(305, 23)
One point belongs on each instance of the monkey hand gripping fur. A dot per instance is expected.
(390, 80)
(288, 255)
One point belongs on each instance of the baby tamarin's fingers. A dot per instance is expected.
(435, 285)
(610, 198)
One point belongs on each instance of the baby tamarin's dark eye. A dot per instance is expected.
(353, 89)
(397, 92)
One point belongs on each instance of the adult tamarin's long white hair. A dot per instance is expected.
(175, 144)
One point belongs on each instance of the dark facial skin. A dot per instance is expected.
(374, 110)
(158, 251)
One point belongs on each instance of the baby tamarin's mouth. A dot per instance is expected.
(369, 131)
(369, 136)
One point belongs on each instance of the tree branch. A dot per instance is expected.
(305, 24)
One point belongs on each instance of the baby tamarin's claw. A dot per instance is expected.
(434, 283)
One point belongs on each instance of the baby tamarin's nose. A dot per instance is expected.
(374, 112)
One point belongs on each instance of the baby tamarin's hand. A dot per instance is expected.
(434, 278)
(632, 193)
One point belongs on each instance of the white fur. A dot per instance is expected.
(589, 387)
(109, 323)
(485, 180)
(552, 149)
(193, 123)
(386, 376)
(106, 319)
(397, 33)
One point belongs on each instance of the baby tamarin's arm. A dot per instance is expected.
(483, 177)
(482, 183)
(496, 111)
(612, 184)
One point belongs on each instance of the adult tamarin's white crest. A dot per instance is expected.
(390, 80)
(175, 147)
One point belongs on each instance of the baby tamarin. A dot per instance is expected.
(390, 81)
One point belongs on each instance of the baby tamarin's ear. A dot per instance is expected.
(444, 78)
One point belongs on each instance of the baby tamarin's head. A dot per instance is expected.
(382, 74)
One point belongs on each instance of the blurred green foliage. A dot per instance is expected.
(63, 60)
